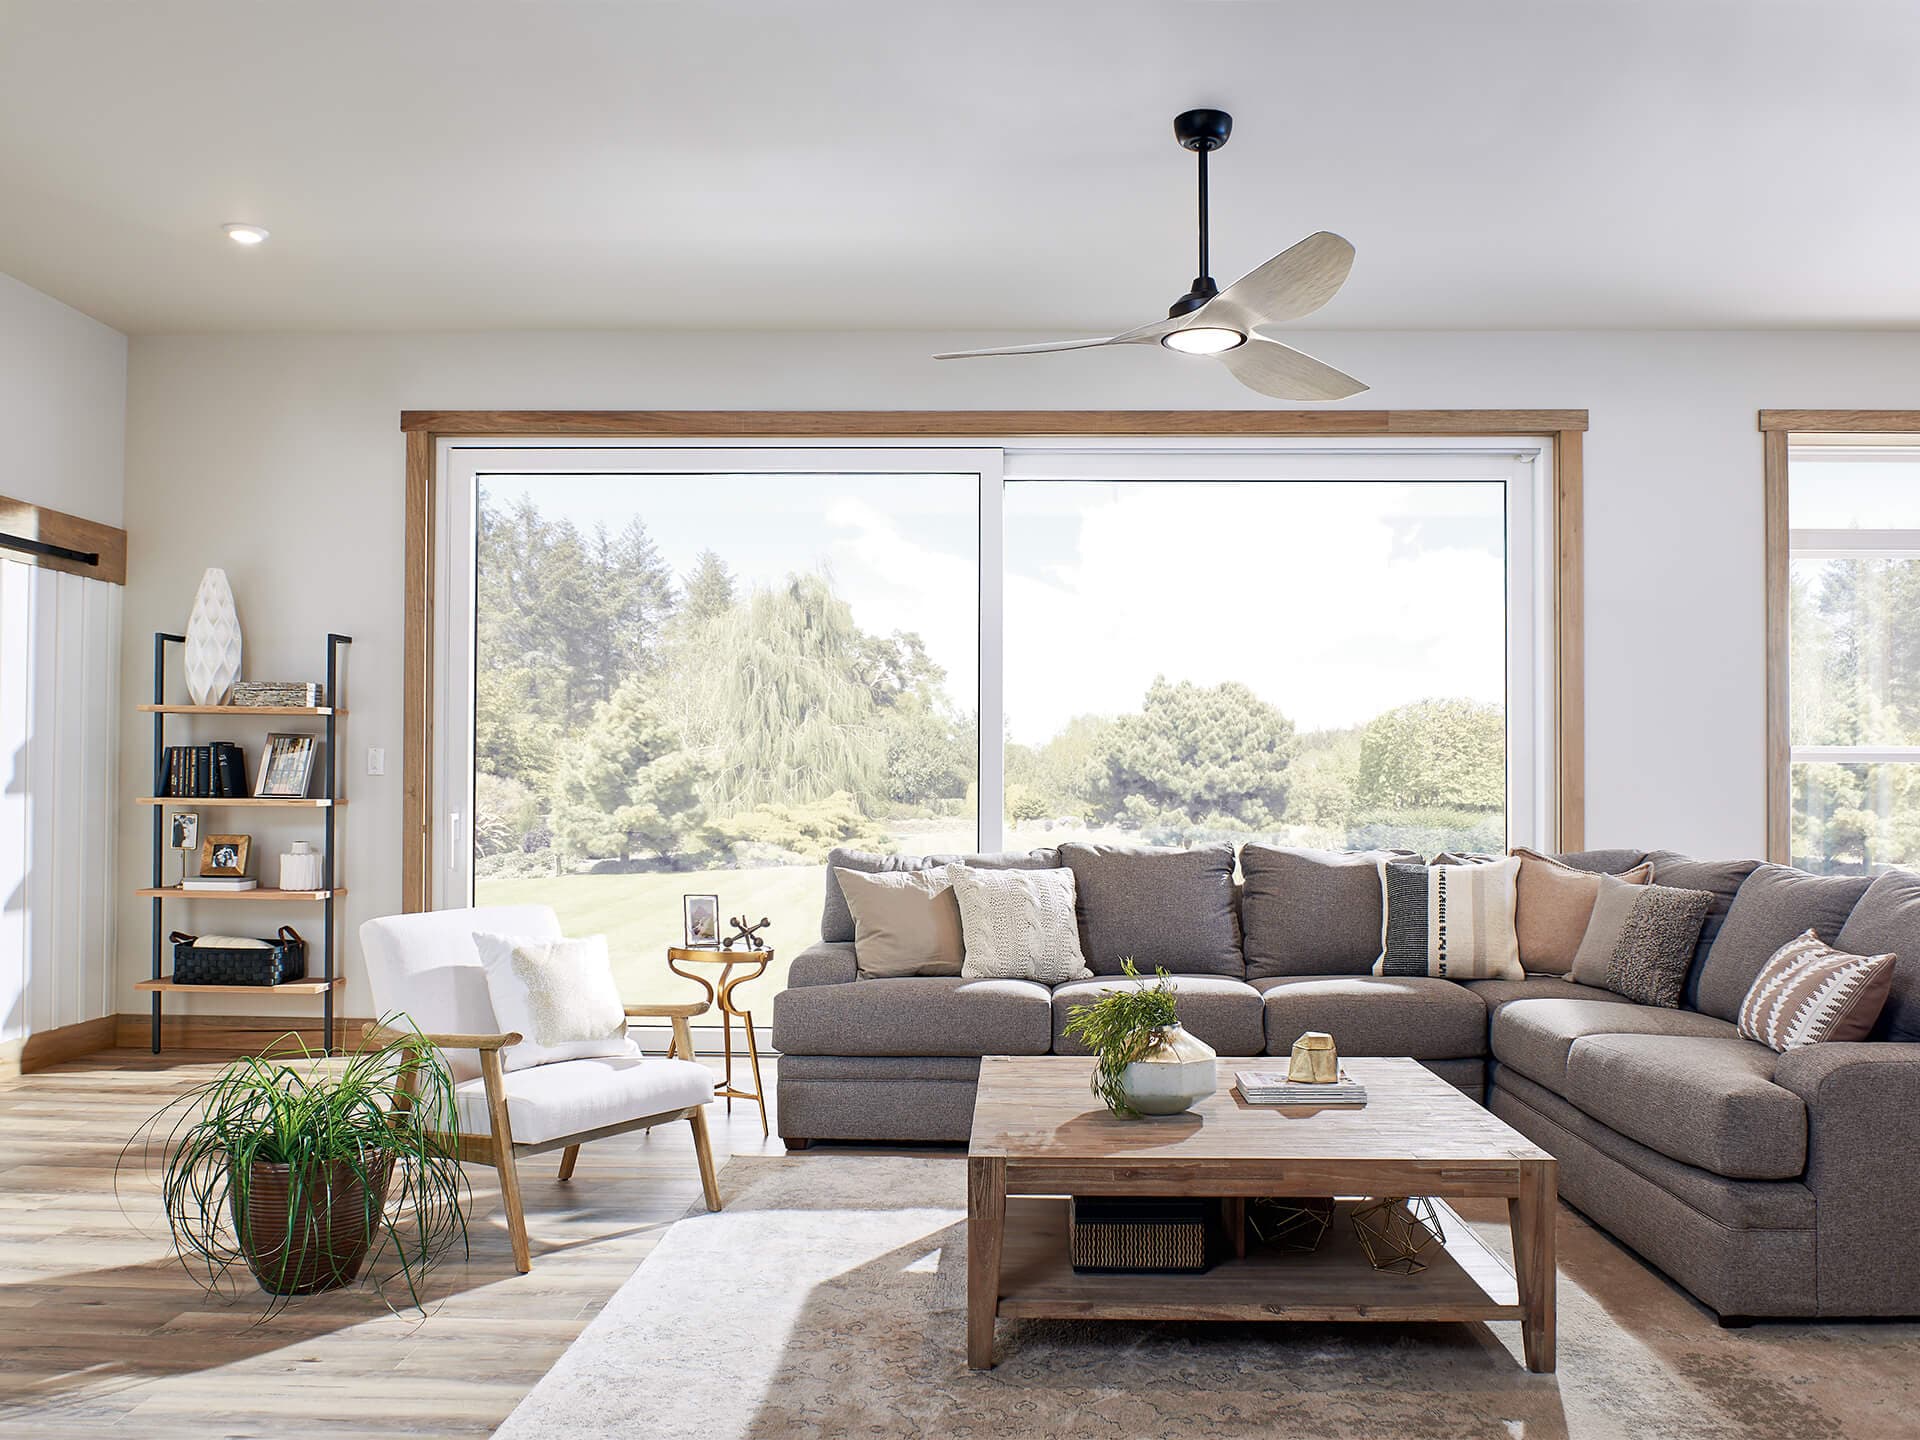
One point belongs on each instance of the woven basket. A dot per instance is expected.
(283, 958)
(1128, 1236)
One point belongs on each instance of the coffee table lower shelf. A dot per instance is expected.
(1465, 1281)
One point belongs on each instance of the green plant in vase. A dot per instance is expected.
(304, 1167)
(1145, 1062)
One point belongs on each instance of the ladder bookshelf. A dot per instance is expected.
(328, 803)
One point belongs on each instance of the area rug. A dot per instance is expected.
(829, 1299)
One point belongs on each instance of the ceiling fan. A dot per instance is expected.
(1226, 323)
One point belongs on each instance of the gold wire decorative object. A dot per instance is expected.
(1314, 1060)
(1290, 1223)
(1398, 1232)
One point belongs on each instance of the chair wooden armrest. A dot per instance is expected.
(384, 1034)
(685, 1010)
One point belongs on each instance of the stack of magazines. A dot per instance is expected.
(1272, 1087)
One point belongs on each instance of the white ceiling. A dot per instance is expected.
(1507, 164)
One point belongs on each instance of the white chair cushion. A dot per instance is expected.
(425, 966)
(573, 1097)
(559, 996)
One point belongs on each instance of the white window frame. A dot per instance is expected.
(1524, 464)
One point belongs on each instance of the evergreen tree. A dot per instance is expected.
(709, 590)
(625, 786)
(1215, 754)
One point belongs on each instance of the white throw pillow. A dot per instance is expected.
(1018, 925)
(558, 994)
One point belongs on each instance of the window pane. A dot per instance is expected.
(1311, 663)
(700, 683)
(1855, 818)
(1855, 651)
(1866, 491)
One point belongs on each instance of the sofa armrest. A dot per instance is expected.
(825, 962)
(1863, 1166)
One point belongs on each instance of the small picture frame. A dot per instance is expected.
(183, 830)
(286, 767)
(225, 856)
(703, 921)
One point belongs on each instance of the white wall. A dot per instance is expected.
(63, 400)
(280, 457)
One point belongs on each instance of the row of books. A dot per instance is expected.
(214, 771)
(1272, 1087)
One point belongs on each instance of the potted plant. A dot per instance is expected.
(1146, 1063)
(305, 1166)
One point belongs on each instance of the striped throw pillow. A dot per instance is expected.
(1453, 921)
(1811, 992)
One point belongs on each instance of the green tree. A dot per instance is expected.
(1323, 781)
(709, 589)
(1436, 754)
(625, 786)
(1206, 754)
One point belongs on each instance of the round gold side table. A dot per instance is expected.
(752, 964)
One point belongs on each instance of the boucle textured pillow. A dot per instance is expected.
(1809, 992)
(1553, 903)
(558, 995)
(1018, 925)
(1640, 941)
(1451, 921)
(905, 922)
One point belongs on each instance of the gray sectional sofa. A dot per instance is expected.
(1767, 1184)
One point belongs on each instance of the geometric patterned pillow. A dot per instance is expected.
(1810, 992)
(1453, 922)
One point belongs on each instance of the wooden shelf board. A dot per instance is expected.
(1463, 1281)
(309, 803)
(292, 987)
(174, 892)
(321, 711)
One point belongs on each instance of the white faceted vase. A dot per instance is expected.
(1169, 1078)
(213, 641)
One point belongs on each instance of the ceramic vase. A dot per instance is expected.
(213, 641)
(1169, 1078)
(300, 867)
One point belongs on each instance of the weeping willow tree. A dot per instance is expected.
(785, 712)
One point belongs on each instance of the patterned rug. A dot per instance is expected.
(829, 1299)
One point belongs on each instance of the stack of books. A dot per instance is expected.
(215, 771)
(1272, 1087)
(253, 693)
(216, 883)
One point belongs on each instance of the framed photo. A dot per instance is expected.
(286, 767)
(184, 830)
(703, 920)
(226, 856)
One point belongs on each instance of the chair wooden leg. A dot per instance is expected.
(493, 1072)
(703, 1152)
(567, 1157)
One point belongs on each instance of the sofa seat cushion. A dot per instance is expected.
(914, 1015)
(1534, 1036)
(1418, 1016)
(1495, 993)
(574, 1097)
(1224, 1013)
(1707, 1101)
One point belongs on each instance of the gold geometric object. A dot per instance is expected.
(1397, 1233)
(1314, 1059)
(1288, 1223)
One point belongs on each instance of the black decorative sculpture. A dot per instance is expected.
(748, 934)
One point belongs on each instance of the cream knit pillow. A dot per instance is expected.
(1018, 924)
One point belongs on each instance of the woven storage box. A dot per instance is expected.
(273, 962)
(1144, 1236)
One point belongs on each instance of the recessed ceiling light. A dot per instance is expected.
(246, 234)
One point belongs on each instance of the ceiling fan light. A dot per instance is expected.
(1203, 340)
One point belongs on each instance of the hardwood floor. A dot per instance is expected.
(105, 1334)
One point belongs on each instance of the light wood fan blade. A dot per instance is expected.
(1296, 282)
(1284, 373)
(1042, 348)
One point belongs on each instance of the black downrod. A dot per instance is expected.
(1201, 131)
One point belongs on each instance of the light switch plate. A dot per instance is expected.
(376, 762)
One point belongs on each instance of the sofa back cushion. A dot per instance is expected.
(1723, 878)
(1887, 921)
(1311, 912)
(1774, 905)
(1601, 862)
(1157, 907)
(836, 920)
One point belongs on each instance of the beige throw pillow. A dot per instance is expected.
(558, 995)
(1018, 925)
(1553, 905)
(905, 922)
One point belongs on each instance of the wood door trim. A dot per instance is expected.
(56, 527)
(1858, 422)
(424, 429)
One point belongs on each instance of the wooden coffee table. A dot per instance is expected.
(1038, 1132)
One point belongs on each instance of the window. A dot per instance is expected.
(692, 670)
(1853, 634)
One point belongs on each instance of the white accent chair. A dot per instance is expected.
(427, 968)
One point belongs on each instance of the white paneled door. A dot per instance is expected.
(59, 723)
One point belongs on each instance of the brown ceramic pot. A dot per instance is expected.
(322, 1246)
